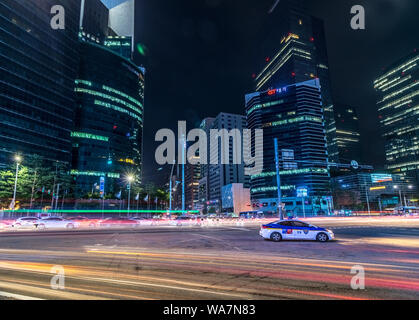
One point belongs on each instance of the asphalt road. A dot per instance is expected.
(219, 262)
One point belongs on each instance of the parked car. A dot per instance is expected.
(57, 223)
(26, 223)
(118, 222)
(85, 222)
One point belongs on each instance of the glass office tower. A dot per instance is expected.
(107, 139)
(294, 50)
(398, 108)
(294, 115)
(38, 66)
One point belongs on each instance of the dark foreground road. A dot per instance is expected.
(212, 263)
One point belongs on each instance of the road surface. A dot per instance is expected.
(219, 262)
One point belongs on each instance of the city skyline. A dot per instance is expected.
(223, 54)
(209, 154)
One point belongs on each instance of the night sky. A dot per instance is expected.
(201, 55)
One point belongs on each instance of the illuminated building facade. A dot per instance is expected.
(108, 133)
(398, 108)
(379, 190)
(295, 51)
(37, 100)
(294, 115)
(119, 44)
(347, 133)
(108, 129)
(192, 177)
(203, 190)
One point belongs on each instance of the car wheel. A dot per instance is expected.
(276, 236)
(322, 237)
(70, 226)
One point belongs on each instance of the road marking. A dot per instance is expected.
(17, 296)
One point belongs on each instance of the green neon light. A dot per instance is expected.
(116, 108)
(294, 120)
(102, 211)
(95, 174)
(87, 83)
(290, 172)
(265, 189)
(123, 95)
(106, 96)
(265, 105)
(89, 136)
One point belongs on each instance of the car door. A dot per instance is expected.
(26, 222)
(287, 231)
(60, 223)
(301, 230)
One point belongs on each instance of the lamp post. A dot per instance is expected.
(410, 188)
(130, 178)
(170, 191)
(400, 194)
(18, 159)
(278, 180)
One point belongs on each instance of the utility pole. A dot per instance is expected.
(53, 186)
(13, 204)
(183, 173)
(278, 180)
(57, 196)
(33, 188)
(368, 201)
(170, 190)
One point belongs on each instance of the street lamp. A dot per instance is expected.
(18, 159)
(130, 178)
(400, 194)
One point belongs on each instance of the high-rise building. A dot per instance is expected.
(347, 133)
(38, 66)
(192, 177)
(203, 190)
(220, 174)
(398, 90)
(107, 138)
(294, 50)
(108, 131)
(294, 115)
(94, 21)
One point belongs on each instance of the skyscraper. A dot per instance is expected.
(203, 190)
(107, 138)
(397, 93)
(192, 177)
(347, 133)
(294, 115)
(223, 174)
(215, 176)
(38, 66)
(108, 133)
(294, 50)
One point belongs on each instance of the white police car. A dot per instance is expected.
(294, 230)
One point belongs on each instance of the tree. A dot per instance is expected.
(7, 183)
(35, 174)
